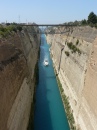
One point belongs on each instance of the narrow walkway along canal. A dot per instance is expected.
(49, 109)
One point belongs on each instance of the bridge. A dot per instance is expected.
(50, 28)
(46, 25)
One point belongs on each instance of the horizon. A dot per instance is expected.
(46, 12)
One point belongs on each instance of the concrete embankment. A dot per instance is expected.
(75, 58)
(18, 57)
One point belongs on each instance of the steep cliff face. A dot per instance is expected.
(75, 58)
(18, 57)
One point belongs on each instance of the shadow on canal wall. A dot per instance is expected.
(35, 80)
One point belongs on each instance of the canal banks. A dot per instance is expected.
(17, 61)
(35, 80)
(65, 99)
(67, 106)
(76, 70)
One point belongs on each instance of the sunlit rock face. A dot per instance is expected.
(77, 71)
(18, 57)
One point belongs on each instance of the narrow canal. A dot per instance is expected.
(49, 109)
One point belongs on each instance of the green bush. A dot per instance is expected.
(5, 31)
(19, 28)
(67, 53)
(73, 48)
(69, 44)
(77, 42)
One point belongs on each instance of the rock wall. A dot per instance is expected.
(18, 57)
(77, 71)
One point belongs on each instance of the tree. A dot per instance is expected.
(92, 18)
(84, 22)
(19, 28)
(76, 22)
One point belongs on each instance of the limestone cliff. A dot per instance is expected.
(18, 57)
(75, 58)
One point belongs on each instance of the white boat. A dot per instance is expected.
(46, 62)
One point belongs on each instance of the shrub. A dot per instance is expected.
(69, 44)
(19, 28)
(77, 42)
(73, 47)
(67, 53)
(79, 51)
(5, 31)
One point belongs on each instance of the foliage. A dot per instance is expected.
(67, 53)
(92, 18)
(84, 22)
(73, 47)
(6, 30)
(19, 28)
(96, 25)
(76, 22)
(73, 23)
(91, 21)
(77, 42)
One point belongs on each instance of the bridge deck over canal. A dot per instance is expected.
(50, 28)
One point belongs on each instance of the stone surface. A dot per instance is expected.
(18, 56)
(77, 72)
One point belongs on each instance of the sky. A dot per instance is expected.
(46, 11)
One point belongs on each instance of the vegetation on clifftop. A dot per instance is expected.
(90, 21)
(7, 30)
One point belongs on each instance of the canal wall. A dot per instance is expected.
(18, 58)
(74, 56)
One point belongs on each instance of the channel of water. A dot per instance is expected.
(49, 109)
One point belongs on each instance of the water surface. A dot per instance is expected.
(49, 109)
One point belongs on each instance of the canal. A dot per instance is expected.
(49, 109)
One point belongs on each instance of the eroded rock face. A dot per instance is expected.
(18, 56)
(77, 72)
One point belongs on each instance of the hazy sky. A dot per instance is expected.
(46, 11)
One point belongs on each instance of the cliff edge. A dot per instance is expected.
(74, 55)
(18, 57)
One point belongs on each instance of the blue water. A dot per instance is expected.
(49, 109)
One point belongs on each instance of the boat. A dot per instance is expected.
(46, 62)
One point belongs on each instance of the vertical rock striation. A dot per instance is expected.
(77, 49)
(18, 57)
